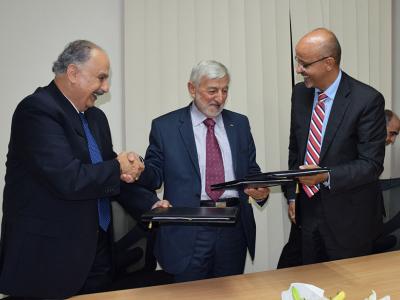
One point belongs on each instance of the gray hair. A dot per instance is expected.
(76, 52)
(209, 68)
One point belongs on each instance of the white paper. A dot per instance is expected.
(307, 291)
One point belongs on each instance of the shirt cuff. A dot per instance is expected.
(327, 183)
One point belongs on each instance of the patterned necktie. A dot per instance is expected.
(214, 165)
(315, 140)
(103, 204)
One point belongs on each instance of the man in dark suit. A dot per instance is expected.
(339, 123)
(61, 174)
(386, 240)
(392, 126)
(190, 149)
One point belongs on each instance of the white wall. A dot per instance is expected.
(33, 34)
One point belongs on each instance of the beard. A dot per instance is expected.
(211, 109)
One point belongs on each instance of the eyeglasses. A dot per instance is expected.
(306, 65)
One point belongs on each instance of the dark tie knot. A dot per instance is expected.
(322, 97)
(209, 123)
(82, 117)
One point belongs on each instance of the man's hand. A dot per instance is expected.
(161, 203)
(313, 179)
(292, 211)
(131, 166)
(258, 194)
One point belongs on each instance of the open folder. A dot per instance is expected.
(191, 215)
(268, 179)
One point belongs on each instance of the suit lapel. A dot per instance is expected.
(230, 129)
(305, 118)
(186, 131)
(339, 107)
(70, 111)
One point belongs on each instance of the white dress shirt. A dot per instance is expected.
(200, 133)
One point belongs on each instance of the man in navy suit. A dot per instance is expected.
(181, 157)
(339, 123)
(61, 175)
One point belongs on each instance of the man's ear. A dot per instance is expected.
(72, 72)
(191, 89)
(330, 63)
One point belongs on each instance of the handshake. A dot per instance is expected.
(131, 166)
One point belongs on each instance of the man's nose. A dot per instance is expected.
(105, 86)
(220, 97)
(299, 69)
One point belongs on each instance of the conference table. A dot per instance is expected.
(356, 276)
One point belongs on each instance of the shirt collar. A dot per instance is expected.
(332, 89)
(73, 105)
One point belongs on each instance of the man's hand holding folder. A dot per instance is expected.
(257, 193)
(275, 178)
(312, 179)
(161, 203)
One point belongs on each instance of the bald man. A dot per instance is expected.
(339, 123)
(392, 126)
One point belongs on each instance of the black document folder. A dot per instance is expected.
(268, 179)
(191, 215)
(251, 183)
(288, 174)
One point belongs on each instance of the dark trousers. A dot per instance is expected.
(219, 250)
(100, 276)
(318, 242)
(291, 255)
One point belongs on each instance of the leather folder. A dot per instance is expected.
(191, 215)
(251, 183)
(288, 174)
(268, 179)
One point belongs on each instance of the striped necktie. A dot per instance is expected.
(103, 204)
(314, 142)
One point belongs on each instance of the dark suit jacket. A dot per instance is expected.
(171, 158)
(354, 149)
(50, 219)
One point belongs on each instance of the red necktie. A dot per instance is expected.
(314, 142)
(214, 164)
